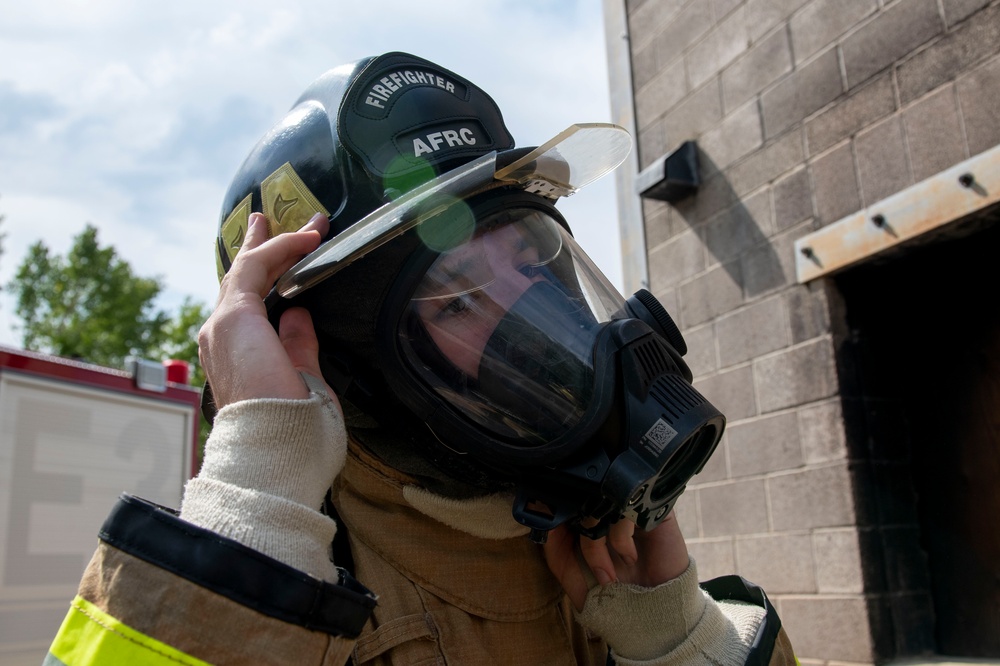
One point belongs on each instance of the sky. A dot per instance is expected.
(133, 116)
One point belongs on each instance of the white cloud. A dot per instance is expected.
(133, 116)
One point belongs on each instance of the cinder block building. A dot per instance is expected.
(833, 260)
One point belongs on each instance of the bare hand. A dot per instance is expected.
(242, 354)
(626, 554)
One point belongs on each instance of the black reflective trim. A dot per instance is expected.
(736, 588)
(156, 535)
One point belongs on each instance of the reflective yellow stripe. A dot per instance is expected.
(90, 636)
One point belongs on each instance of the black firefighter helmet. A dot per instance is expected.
(472, 343)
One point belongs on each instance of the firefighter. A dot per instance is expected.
(440, 435)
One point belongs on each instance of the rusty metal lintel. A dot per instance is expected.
(930, 204)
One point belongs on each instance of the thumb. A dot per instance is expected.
(298, 337)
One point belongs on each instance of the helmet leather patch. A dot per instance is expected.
(288, 203)
(234, 229)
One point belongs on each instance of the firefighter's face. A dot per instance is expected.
(470, 289)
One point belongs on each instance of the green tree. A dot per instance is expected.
(88, 305)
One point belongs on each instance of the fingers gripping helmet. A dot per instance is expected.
(472, 342)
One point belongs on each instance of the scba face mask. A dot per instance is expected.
(514, 349)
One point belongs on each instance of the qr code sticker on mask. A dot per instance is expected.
(657, 437)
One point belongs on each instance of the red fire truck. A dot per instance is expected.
(73, 436)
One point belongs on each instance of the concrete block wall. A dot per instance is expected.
(804, 111)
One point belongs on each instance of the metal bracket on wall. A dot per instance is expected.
(930, 204)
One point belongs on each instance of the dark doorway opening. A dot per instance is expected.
(920, 368)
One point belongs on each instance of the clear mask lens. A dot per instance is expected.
(503, 324)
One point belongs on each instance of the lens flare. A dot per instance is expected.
(451, 223)
(405, 174)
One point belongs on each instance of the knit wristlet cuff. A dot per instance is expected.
(675, 623)
(287, 448)
(289, 532)
(645, 623)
